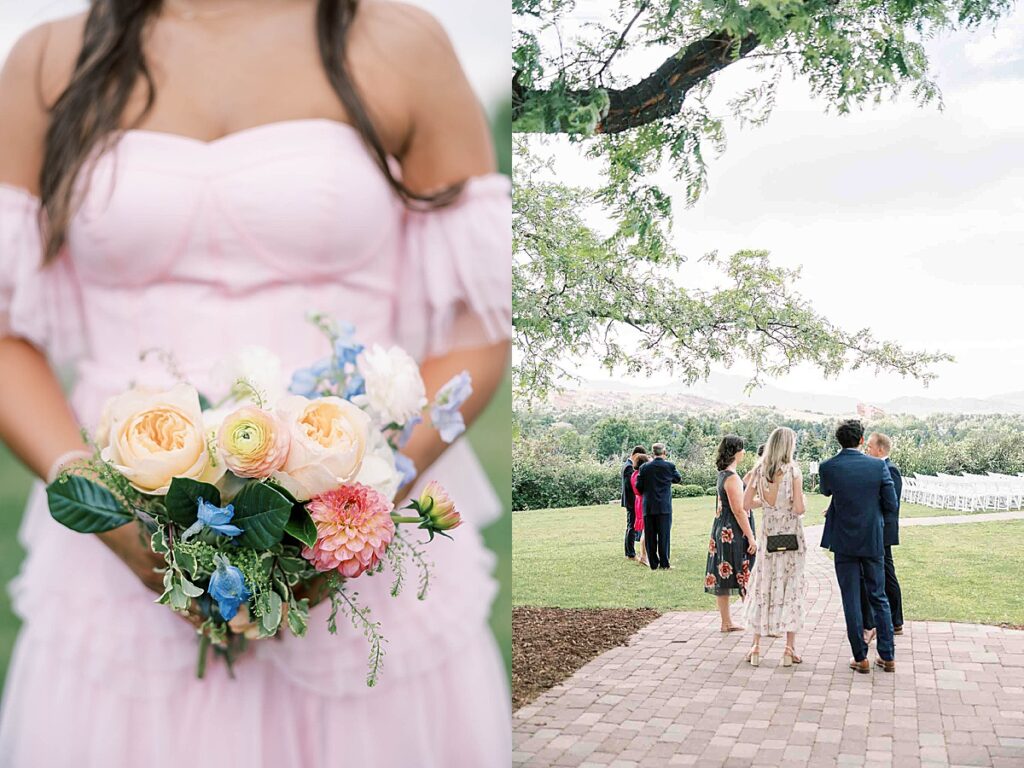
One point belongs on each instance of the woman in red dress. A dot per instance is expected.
(638, 461)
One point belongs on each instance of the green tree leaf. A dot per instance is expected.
(262, 513)
(85, 506)
(182, 500)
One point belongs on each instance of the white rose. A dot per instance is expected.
(156, 436)
(378, 470)
(328, 442)
(257, 366)
(394, 388)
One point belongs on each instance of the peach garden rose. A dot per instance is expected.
(328, 441)
(155, 436)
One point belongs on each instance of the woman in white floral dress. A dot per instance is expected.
(775, 595)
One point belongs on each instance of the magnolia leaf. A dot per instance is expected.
(300, 526)
(262, 513)
(182, 499)
(85, 506)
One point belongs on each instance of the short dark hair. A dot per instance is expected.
(727, 450)
(849, 433)
(638, 449)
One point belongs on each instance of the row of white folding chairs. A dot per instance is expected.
(966, 493)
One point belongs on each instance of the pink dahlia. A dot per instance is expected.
(353, 529)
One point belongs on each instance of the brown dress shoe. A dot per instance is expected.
(863, 666)
(888, 666)
(897, 630)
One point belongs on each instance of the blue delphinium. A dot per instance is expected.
(406, 433)
(346, 350)
(444, 412)
(406, 466)
(213, 517)
(307, 381)
(227, 587)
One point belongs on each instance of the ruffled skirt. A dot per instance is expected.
(103, 677)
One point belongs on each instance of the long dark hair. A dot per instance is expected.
(109, 66)
(727, 450)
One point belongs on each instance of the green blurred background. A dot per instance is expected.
(491, 437)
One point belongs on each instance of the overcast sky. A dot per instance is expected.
(907, 220)
(480, 30)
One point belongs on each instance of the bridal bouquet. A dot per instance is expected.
(269, 496)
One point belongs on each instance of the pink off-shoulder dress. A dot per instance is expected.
(198, 248)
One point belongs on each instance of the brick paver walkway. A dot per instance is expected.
(681, 694)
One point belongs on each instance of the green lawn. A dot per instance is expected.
(491, 437)
(572, 558)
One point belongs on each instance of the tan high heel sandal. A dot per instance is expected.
(754, 656)
(789, 657)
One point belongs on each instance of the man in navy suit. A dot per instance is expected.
(863, 495)
(880, 446)
(628, 502)
(655, 483)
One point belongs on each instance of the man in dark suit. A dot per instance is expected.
(863, 495)
(880, 446)
(655, 483)
(629, 502)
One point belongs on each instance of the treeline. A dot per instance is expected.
(565, 458)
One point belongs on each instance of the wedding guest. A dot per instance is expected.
(879, 445)
(629, 501)
(638, 461)
(777, 588)
(655, 483)
(863, 497)
(732, 546)
(750, 473)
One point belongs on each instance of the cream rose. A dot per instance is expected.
(155, 436)
(328, 442)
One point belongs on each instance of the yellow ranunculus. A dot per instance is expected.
(254, 442)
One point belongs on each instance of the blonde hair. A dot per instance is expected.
(778, 453)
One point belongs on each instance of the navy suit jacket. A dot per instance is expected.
(863, 497)
(655, 483)
(892, 522)
(627, 487)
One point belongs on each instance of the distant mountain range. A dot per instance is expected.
(724, 390)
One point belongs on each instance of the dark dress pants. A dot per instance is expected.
(630, 533)
(892, 591)
(657, 537)
(856, 575)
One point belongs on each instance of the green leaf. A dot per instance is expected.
(300, 526)
(158, 542)
(298, 617)
(85, 506)
(178, 598)
(271, 618)
(189, 588)
(186, 561)
(262, 513)
(182, 499)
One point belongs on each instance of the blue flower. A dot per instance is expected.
(406, 432)
(406, 466)
(444, 413)
(213, 517)
(227, 587)
(305, 381)
(355, 385)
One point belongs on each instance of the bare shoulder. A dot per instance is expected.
(35, 73)
(413, 37)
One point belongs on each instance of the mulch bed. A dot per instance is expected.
(549, 644)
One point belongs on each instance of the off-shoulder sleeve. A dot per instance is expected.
(456, 286)
(40, 305)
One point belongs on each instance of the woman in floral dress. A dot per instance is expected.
(732, 546)
(777, 587)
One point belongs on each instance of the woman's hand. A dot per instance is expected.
(751, 546)
(127, 544)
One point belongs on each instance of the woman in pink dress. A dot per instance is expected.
(638, 500)
(208, 172)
